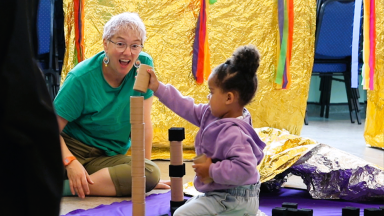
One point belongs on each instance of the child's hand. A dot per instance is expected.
(153, 82)
(202, 169)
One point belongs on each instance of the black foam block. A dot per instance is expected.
(177, 170)
(305, 212)
(175, 205)
(279, 211)
(373, 212)
(289, 205)
(176, 134)
(350, 211)
(292, 212)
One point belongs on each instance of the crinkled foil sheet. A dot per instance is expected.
(329, 173)
(170, 30)
(374, 123)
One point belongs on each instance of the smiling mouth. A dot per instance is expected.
(124, 62)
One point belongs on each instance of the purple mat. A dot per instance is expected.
(158, 204)
(270, 200)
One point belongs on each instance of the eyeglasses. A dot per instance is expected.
(121, 47)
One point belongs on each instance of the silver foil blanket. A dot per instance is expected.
(330, 173)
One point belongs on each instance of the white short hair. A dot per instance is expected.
(124, 21)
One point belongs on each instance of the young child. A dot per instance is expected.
(226, 136)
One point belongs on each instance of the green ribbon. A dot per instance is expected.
(212, 1)
(283, 50)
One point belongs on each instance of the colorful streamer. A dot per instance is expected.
(201, 67)
(355, 44)
(79, 30)
(286, 20)
(369, 44)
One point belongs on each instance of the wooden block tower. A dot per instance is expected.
(176, 167)
(138, 155)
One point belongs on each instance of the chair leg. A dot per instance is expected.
(355, 97)
(351, 105)
(328, 95)
(322, 94)
(305, 118)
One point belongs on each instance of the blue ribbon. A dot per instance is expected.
(355, 45)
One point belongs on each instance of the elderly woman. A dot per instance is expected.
(93, 108)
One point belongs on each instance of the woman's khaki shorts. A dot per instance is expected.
(119, 166)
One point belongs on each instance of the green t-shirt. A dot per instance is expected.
(98, 115)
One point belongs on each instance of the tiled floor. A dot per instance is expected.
(337, 131)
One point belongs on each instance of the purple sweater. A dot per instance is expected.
(232, 143)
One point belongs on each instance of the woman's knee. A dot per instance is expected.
(122, 178)
(152, 173)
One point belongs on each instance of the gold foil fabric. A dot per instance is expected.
(374, 123)
(170, 29)
(282, 151)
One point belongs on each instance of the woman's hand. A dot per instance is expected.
(153, 81)
(78, 179)
(202, 169)
(163, 184)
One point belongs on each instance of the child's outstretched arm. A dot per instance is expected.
(183, 106)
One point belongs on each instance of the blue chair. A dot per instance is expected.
(333, 50)
(47, 50)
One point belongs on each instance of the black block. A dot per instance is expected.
(373, 212)
(305, 212)
(292, 212)
(176, 134)
(289, 205)
(350, 211)
(176, 205)
(279, 211)
(177, 170)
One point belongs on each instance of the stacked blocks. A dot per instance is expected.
(176, 167)
(138, 155)
(290, 209)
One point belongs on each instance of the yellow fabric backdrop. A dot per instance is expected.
(170, 31)
(374, 123)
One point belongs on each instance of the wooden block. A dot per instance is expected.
(136, 119)
(137, 134)
(138, 196)
(177, 189)
(137, 172)
(142, 79)
(137, 166)
(138, 209)
(201, 159)
(176, 151)
(138, 156)
(138, 182)
(137, 111)
(137, 101)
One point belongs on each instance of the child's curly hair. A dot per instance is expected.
(238, 73)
